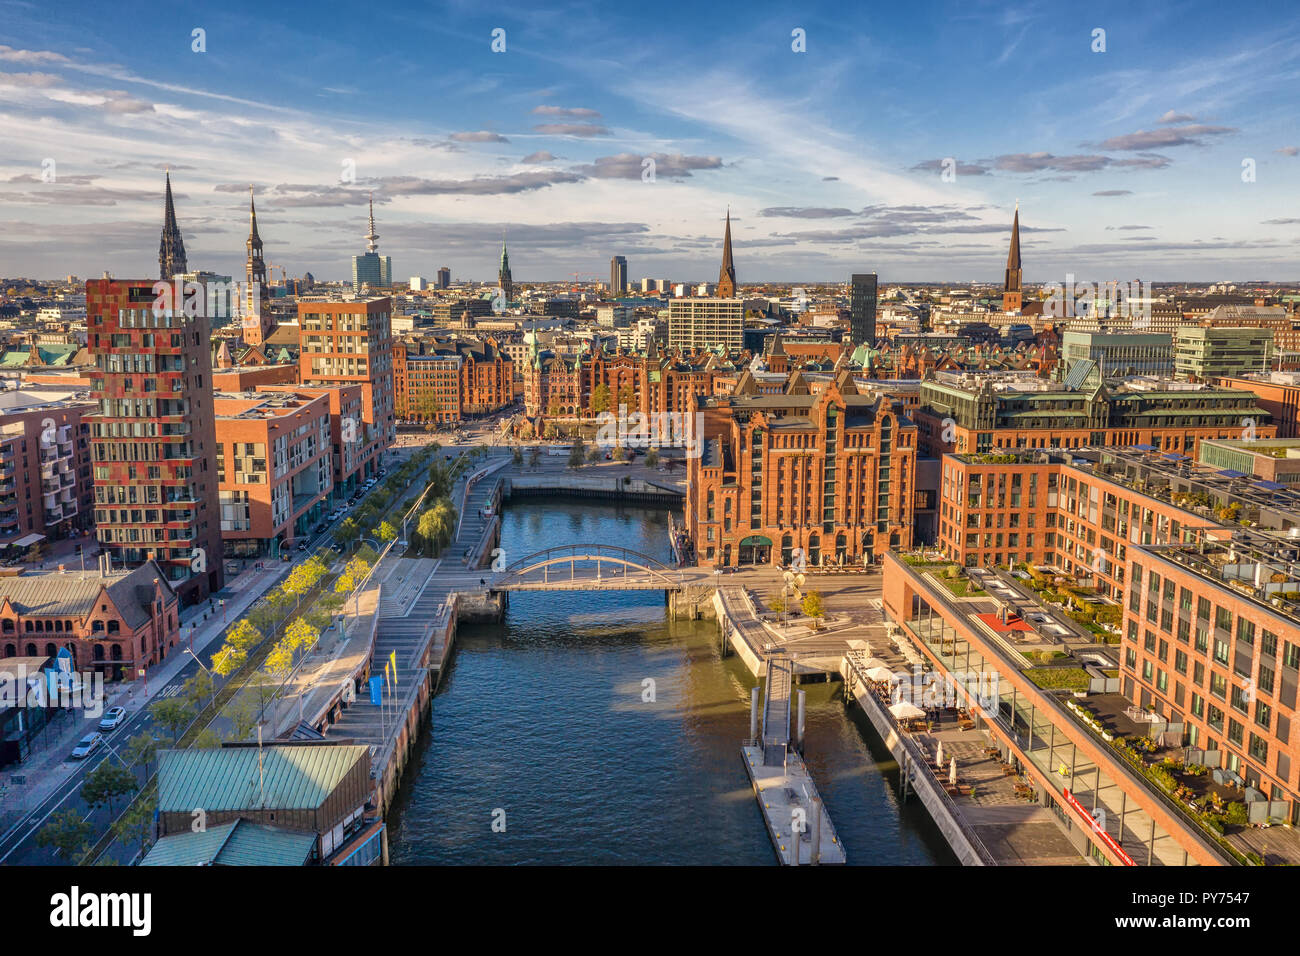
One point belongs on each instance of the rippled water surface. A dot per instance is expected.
(542, 721)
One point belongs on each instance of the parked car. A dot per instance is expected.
(320, 527)
(302, 545)
(87, 746)
(112, 718)
(336, 548)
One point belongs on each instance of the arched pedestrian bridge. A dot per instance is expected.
(592, 567)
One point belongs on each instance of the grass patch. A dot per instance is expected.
(961, 587)
(1059, 678)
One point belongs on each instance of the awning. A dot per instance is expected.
(27, 540)
(759, 540)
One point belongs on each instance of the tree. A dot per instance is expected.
(240, 639)
(173, 715)
(106, 783)
(68, 834)
(386, 532)
(535, 458)
(577, 454)
(627, 397)
(651, 457)
(208, 739)
(600, 398)
(136, 826)
(199, 689)
(141, 749)
(279, 662)
(619, 453)
(242, 715)
(347, 533)
(516, 456)
(353, 574)
(300, 636)
(593, 453)
(812, 606)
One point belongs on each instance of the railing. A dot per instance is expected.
(571, 554)
(919, 758)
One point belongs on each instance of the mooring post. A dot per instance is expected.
(816, 830)
(753, 717)
(801, 722)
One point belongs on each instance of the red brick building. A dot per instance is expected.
(351, 343)
(442, 381)
(830, 473)
(114, 623)
(274, 465)
(153, 442)
(45, 476)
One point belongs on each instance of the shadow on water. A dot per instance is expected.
(601, 732)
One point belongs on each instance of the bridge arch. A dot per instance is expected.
(621, 563)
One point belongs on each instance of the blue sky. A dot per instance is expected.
(1127, 163)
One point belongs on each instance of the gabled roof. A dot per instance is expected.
(74, 595)
(295, 777)
(238, 843)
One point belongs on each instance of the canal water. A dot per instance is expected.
(589, 728)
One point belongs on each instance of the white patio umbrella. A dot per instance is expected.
(938, 755)
(906, 710)
(880, 673)
(952, 772)
(874, 662)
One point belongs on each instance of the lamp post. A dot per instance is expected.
(205, 667)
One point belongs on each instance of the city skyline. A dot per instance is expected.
(832, 159)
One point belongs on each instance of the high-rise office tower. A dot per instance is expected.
(862, 308)
(171, 248)
(1011, 290)
(617, 275)
(444, 278)
(372, 268)
(153, 443)
(727, 274)
(706, 323)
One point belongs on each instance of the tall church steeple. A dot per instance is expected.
(504, 279)
(171, 249)
(257, 317)
(727, 274)
(1011, 290)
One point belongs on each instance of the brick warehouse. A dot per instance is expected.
(830, 473)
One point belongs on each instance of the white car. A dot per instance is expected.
(112, 718)
(87, 746)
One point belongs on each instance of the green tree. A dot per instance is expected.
(207, 739)
(173, 715)
(578, 453)
(386, 532)
(242, 714)
(106, 783)
(68, 834)
(619, 453)
(652, 457)
(300, 636)
(812, 606)
(352, 575)
(594, 453)
(136, 826)
(347, 533)
(627, 397)
(141, 749)
(199, 689)
(600, 399)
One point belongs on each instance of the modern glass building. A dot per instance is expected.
(372, 268)
(862, 308)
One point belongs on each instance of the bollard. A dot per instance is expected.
(753, 717)
(816, 830)
(799, 726)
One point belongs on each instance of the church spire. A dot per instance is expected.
(257, 317)
(727, 274)
(171, 248)
(1011, 289)
(504, 279)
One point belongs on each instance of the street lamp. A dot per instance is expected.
(186, 650)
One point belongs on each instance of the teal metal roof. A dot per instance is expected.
(227, 778)
(238, 843)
